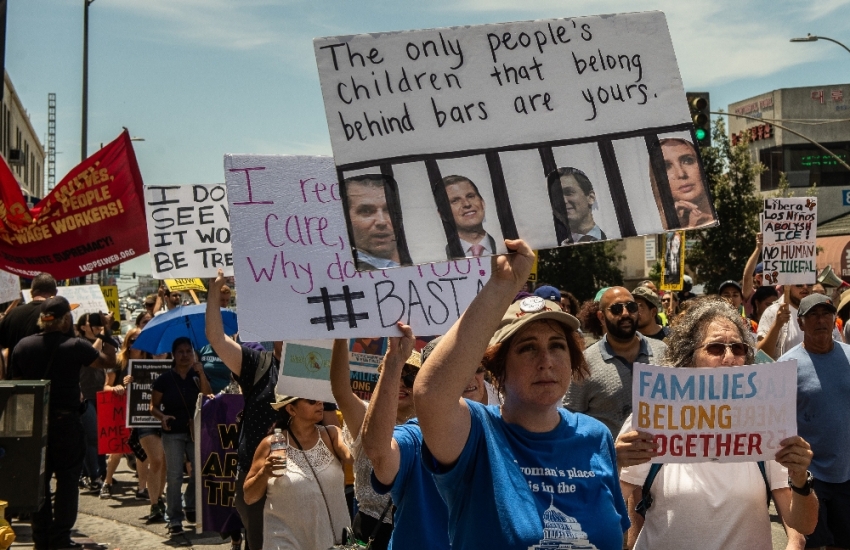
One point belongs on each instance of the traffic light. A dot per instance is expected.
(699, 105)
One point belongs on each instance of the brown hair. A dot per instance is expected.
(496, 356)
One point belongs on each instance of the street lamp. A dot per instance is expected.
(813, 38)
(84, 137)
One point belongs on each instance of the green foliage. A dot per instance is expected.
(581, 269)
(721, 252)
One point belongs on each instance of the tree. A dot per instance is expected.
(581, 269)
(721, 252)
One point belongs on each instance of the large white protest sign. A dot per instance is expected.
(89, 298)
(789, 229)
(558, 131)
(723, 414)
(188, 230)
(296, 277)
(305, 370)
(10, 287)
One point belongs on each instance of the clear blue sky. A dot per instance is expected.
(201, 78)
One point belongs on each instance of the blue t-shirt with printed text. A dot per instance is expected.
(823, 384)
(518, 490)
(421, 519)
(217, 372)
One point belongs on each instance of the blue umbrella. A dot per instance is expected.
(162, 330)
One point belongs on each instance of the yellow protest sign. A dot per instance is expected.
(185, 284)
(110, 294)
(533, 275)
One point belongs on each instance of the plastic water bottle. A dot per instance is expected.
(279, 449)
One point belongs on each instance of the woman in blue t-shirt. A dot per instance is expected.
(528, 474)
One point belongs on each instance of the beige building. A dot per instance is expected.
(19, 144)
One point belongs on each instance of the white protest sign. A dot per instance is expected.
(789, 229)
(188, 230)
(723, 414)
(305, 370)
(10, 287)
(89, 297)
(555, 131)
(296, 277)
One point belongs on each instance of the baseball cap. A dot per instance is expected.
(527, 311)
(598, 297)
(759, 267)
(812, 300)
(56, 307)
(548, 293)
(729, 283)
(648, 295)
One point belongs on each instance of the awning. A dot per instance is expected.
(836, 253)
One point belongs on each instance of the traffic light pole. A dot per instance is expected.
(796, 133)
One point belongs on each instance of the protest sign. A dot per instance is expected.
(188, 230)
(217, 443)
(10, 287)
(89, 297)
(365, 354)
(673, 262)
(179, 285)
(112, 431)
(88, 222)
(110, 296)
(555, 131)
(789, 227)
(305, 370)
(297, 280)
(723, 414)
(144, 372)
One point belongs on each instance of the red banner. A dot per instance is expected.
(112, 432)
(92, 220)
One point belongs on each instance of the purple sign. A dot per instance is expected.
(219, 442)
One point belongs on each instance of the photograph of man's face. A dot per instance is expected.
(371, 223)
(579, 204)
(467, 206)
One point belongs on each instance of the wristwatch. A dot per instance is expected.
(806, 489)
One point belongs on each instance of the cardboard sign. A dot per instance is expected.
(673, 262)
(217, 443)
(112, 431)
(723, 414)
(175, 285)
(144, 372)
(364, 356)
(188, 230)
(10, 287)
(789, 228)
(305, 370)
(88, 222)
(296, 276)
(89, 297)
(557, 131)
(110, 296)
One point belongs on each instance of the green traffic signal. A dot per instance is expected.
(700, 134)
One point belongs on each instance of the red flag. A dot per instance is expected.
(92, 220)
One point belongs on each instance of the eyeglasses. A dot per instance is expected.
(717, 349)
(408, 379)
(665, 300)
(617, 309)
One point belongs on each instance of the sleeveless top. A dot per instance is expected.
(295, 517)
(368, 501)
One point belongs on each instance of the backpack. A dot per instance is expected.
(646, 497)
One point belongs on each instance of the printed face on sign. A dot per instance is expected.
(372, 227)
(685, 180)
(573, 187)
(467, 205)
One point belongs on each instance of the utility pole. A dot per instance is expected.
(85, 137)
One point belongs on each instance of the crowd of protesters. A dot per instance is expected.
(460, 442)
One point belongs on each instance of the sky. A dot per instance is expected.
(201, 78)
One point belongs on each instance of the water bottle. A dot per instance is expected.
(279, 449)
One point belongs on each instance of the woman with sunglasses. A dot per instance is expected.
(499, 469)
(371, 518)
(713, 505)
(305, 491)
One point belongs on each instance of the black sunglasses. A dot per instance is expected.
(617, 309)
(718, 349)
(408, 379)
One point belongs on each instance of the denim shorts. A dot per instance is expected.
(144, 432)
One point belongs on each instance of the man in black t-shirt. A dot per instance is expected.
(55, 356)
(22, 321)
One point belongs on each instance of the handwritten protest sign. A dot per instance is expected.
(110, 296)
(89, 297)
(297, 280)
(217, 442)
(724, 414)
(305, 370)
(112, 431)
(555, 131)
(789, 228)
(188, 230)
(673, 262)
(144, 372)
(175, 285)
(10, 287)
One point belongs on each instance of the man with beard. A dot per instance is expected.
(775, 334)
(606, 394)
